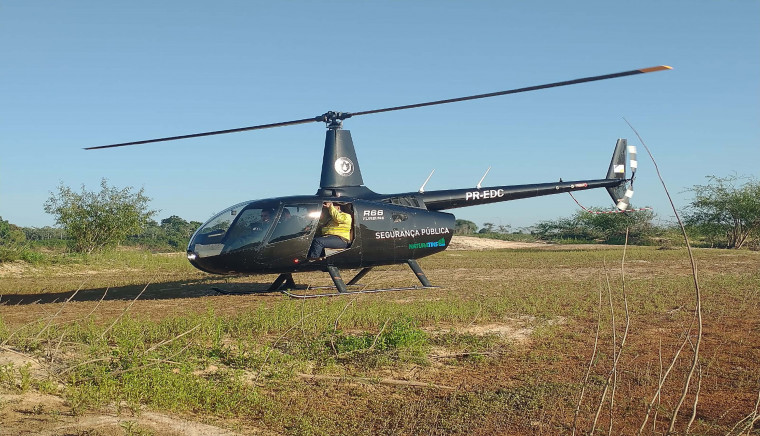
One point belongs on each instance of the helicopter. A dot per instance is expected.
(275, 235)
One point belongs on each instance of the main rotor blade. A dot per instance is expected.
(332, 116)
(518, 90)
(216, 132)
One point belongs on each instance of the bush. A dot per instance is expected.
(609, 228)
(98, 220)
(725, 214)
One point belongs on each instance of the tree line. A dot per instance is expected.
(21, 243)
(724, 213)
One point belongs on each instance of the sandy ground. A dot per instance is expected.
(473, 243)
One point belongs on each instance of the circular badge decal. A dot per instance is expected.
(344, 166)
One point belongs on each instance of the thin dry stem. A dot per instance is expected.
(590, 362)
(616, 353)
(748, 422)
(2, 344)
(126, 309)
(696, 399)
(659, 380)
(382, 381)
(168, 341)
(625, 333)
(673, 361)
(697, 296)
(607, 384)
(335, 324)
(58, 346)
(277, 341)
(372, 347)
(50, 321)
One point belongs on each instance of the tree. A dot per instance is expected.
(178, 231)
(487, 228)
(10, 234)
(97, 220)
(43, 233)
(604, 227)
(465, 227)
(727, 213)
(12, 241)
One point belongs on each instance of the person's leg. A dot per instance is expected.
(319, 244)
(316, 248)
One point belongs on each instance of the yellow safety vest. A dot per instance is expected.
(338, 225)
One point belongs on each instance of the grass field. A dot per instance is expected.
(517, 341)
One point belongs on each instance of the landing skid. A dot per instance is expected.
(343, 288)
(363, 291)
(283, 279)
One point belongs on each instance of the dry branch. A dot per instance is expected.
(590, 362)
(697, 296)
(58, 346)
(126, 309)
(382, 381)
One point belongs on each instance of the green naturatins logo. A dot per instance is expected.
(440, 243)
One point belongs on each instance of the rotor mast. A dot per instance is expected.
(340, 166)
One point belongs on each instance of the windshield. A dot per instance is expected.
(242, 226)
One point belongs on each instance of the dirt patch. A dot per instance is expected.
(40, 414)
(516, 330)
(472, 243)
(13, 269)
(477, 244)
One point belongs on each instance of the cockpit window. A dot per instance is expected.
(240, 226)
(249, 228)
(295, 220)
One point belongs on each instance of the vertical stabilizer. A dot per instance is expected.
(620, 195)
(617, 164)
(340, 167)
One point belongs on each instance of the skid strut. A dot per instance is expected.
(337, 279)
(343, 288)
(418, 271)
(286, 279)
(359, 276)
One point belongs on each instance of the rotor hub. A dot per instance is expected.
(334, 120)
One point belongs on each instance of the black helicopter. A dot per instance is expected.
(274, 235)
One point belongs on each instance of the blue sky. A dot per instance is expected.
(87, 73)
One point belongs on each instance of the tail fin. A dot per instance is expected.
(620, 195)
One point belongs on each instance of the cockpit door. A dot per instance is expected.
(291, 236)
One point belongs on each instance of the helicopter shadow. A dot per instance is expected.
(152, 291)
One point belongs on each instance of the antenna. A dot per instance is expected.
(481, 179)
(422, 188)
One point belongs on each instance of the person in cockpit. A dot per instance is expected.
(336, 233)
(266, 215)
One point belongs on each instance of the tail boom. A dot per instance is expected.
(454, 198)
(615, 182)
